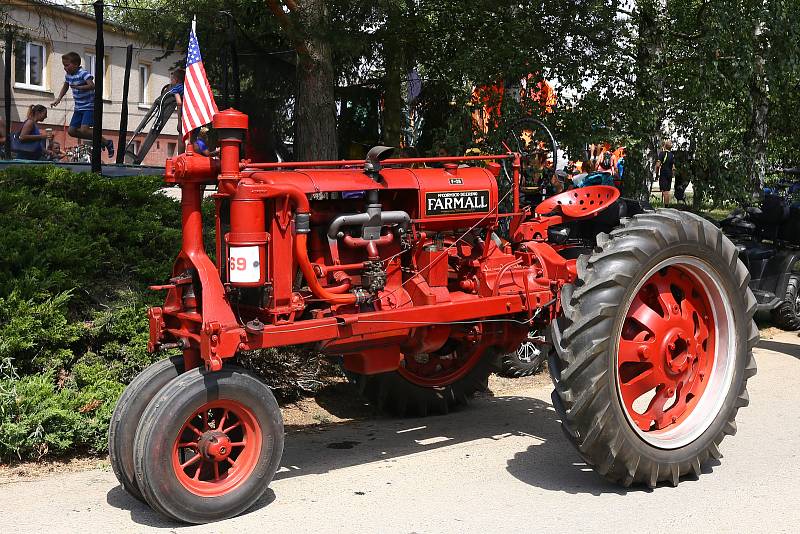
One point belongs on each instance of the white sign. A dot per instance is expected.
(244, 264)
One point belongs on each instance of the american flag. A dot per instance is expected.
(199, 107)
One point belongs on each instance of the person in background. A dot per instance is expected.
(665, 169)
(587, 166)
(199, 140)
(584, 168)
(619, 156)
(54, 153)
(441, 152)
(176, 80)
(82, 85)
(602, 175)
(605, 163)
(2, 138)
(29, 143)
(558, 182)
(411, 152)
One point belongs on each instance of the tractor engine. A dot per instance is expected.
(392, 266)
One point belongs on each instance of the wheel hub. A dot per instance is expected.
(677, 352)
(667, 349)
(214, 445)
(437, 370)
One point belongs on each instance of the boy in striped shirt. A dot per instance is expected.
(82, 85)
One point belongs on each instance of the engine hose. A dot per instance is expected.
(301, 257)
(345, 283)
(261, 189)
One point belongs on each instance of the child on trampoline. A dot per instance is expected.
(82, 85)
(176, 80)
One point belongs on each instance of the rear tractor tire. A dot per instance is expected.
(654, 350)
(128, 412)
(418, 390)
(208, 445)
(787, 315)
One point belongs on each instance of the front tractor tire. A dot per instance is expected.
(654, 349)
(128, 412)
(208, 445)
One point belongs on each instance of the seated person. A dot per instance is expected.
(54, 153)
(29, 143)
(602, 176)
(199, 140)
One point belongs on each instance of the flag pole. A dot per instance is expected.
(194, 24)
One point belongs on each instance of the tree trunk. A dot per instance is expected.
(756, 136)
(649, 88)
(394, 65)
(315, 104)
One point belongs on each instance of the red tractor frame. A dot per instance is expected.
(401, 271)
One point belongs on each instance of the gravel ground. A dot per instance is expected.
(502, 465)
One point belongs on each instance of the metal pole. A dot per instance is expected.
(122, 141)
(225, 86)
(7, 91)
(97, 131)
(234, 62)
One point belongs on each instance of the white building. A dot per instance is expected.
(49, 31)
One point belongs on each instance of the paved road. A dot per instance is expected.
(500, 466)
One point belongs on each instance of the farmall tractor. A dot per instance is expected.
(400, 271)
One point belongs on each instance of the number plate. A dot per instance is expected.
(244, 264)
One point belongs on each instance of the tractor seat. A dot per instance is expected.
(758, 253)
(774, 210)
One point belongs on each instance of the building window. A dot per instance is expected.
(29, 61)
(91, 63)
(144, 85)
(91, 68)
(136, 146)
(107, 81)
(171, 148)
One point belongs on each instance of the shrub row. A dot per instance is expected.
(76, 253)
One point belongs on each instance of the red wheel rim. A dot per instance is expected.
(430, 370)
(217, 448)
(667, 349)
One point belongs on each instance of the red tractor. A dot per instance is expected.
(400, 271)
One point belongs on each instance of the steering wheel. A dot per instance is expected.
(579, 203)
(535, 144)
(527, 135)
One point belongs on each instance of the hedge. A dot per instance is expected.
(77, 252)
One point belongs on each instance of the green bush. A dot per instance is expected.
(76, 254)
(63, 231)
(44, 415)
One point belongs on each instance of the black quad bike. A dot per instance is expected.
(768, 240)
